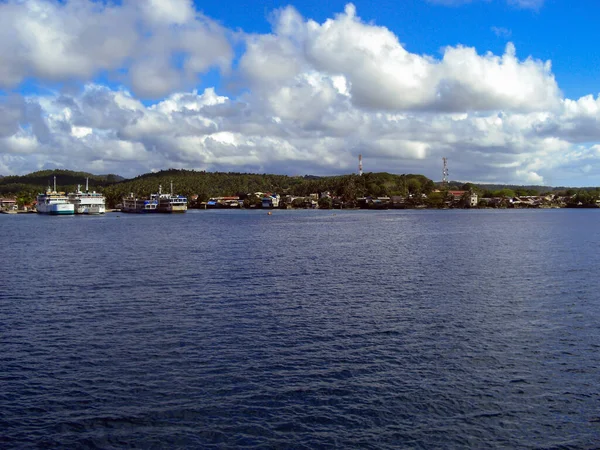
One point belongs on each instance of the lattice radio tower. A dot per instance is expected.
(359, 165)
(445, 172)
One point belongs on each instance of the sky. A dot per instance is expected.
(507, 90)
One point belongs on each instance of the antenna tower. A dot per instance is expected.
(445, 172)
(359, 165)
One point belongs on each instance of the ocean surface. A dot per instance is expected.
(303, 329)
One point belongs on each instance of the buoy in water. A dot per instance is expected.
(269, 213)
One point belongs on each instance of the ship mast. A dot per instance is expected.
(54, 183)
(86, 184)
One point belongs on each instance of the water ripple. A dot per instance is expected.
(391, 329)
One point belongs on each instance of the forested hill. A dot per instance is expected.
(67, 180)
(212, 184)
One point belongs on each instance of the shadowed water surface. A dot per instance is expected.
(304, 329)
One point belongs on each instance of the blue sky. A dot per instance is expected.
(505, 89)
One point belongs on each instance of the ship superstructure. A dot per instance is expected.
(86, 202)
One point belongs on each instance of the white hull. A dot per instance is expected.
(90, 209)
(56, 209)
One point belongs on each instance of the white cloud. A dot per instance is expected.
(501, 32)
(56, 41)
(159, 45)
(527, 4)
(314, 96)
(173, 12)
(110, 129)
(379, 73)
(20, 143)
(471, 81)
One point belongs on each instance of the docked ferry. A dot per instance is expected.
(170, 203)
(87, 202)
(133, 204)
(54, 203)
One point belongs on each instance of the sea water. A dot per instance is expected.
(301, 329)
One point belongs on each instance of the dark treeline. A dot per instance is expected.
(508, 190)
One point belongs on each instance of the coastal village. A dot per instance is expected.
(437, 199)
(449, 199)
(187, 189)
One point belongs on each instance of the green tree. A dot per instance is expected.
(435, 200)
(252, 201)
(325, 203)
(414, 186)
(348, 189)
(505, 193)
(465, 200)
(584, 198)
(428, 187)
(24, 198)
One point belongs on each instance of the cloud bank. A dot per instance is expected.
(311, 96)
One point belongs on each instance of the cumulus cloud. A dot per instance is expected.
(112, 131)
(381, 74)
(314, 96)
(159, 45)
(176, 12)
(579, 122)
(12, 111)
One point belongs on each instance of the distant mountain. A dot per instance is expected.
(66, 180)
(534, 189)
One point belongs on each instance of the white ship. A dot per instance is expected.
(52, 202)
(170, 203)
(87, 202)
